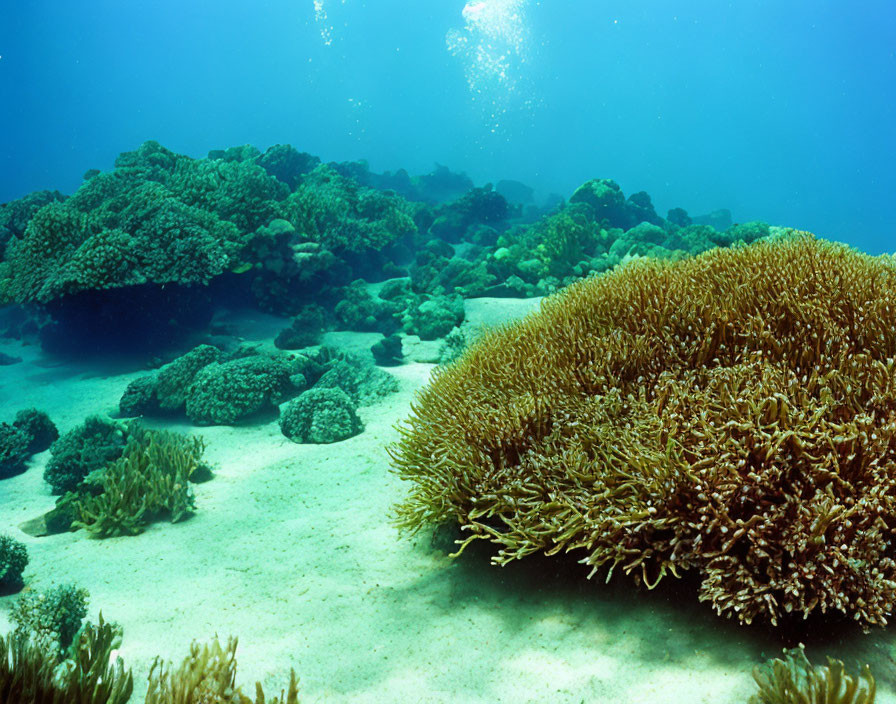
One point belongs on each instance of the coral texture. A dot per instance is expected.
(733, 414)
(208, 676)
(149, 480)
(86, 448)
(30, 674)
(321, 415)
(41, 431)
(14, 453)
(52, 619)
(13, 560)
(795, 681)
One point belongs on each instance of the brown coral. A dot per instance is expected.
(795, 681)
(732, 414)
(208, 676)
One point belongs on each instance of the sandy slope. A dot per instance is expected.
(291, 549)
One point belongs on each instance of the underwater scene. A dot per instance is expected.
(458, 351)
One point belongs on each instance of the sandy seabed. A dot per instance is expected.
(291, 549)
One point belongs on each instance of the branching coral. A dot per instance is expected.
(208, 676)
(150, 479)
(795, 681)
(30, 674)
(733, 414)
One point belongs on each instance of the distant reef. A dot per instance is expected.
(142, 254)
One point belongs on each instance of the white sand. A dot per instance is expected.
(291, 549)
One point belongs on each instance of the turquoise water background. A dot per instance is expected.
(780, 111)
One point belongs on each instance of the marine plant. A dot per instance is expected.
(794, 680)
(151, 479)
(30, 674)
(208, 676)
(732, 415)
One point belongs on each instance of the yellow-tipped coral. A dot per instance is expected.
(208, 676)
(795, 681)
(733, 415)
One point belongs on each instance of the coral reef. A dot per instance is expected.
(343, 216)
(208, 676)
(174, 379)
(362, 381)
(38, 427)
(795, 681)
(14, 453)
(305, 330)
(13, 561)
(30, 674)
(732, 415)
(321, 415)
(50, 620)
(432, 318)
(88, 447)
(149, 480)
(223, 393)
(387, 352)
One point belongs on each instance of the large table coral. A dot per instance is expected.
(733, 415)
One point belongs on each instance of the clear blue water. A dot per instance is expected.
(780, 111)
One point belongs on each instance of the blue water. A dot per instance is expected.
(780, 111)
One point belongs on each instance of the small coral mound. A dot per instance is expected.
(795, 681)
(13, 560)
(14, 453)
(82, 450)
(732, 415)
(321, 415)
(50, 620)
(208, 676)
(41, 431)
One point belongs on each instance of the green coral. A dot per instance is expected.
(139, 398)
(321, 415)
(434, 317)
(13, 450)
(362, 381)
(795, 681)
(338, 213)
(88, 447)
(173, 380)
(359, 310)
(37, 426)
(14, 216)
(223, 393)
(13, 560)
(157, 218)
(149, 480)
(50, 619)
(237, 191)
(287, 164)
(29, 674)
